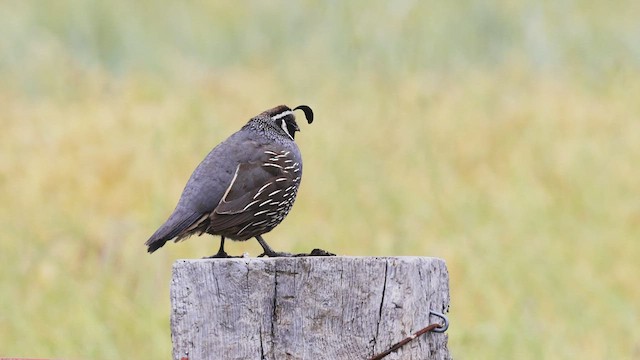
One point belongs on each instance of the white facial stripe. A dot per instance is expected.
(281, 115)
(284, 128)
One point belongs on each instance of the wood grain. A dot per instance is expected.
(307, 307)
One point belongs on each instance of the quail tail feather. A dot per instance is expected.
(179, 225)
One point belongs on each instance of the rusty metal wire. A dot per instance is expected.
(435, 327)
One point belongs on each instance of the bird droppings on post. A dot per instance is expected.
(244, 187)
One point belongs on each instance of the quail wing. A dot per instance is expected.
(253, 201)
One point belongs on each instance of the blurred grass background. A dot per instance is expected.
(502, 136)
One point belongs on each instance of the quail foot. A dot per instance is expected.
(244, 187)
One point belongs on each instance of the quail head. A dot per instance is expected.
(244, 187)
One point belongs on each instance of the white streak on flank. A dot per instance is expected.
(249, 205)
(288, 161)
(264, 187)
(265, 202)
(244, 228)
(260, 212)
(275, 192)
(235, 175)
(281, 179)
(259, 223)
(268, 152)
(274, 165)
(281, 115)
(261, 190)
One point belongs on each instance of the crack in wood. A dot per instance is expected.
(274, 315)
(384, 290)
(338, 308)
(262, 356)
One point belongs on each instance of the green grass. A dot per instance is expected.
(501, 136)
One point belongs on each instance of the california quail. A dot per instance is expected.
(244, 187)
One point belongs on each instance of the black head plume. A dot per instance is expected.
(308, 113)
(283, 118)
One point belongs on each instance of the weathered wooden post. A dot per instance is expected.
(307, 307)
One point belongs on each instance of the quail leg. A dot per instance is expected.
(268, 251)
(221, 254)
